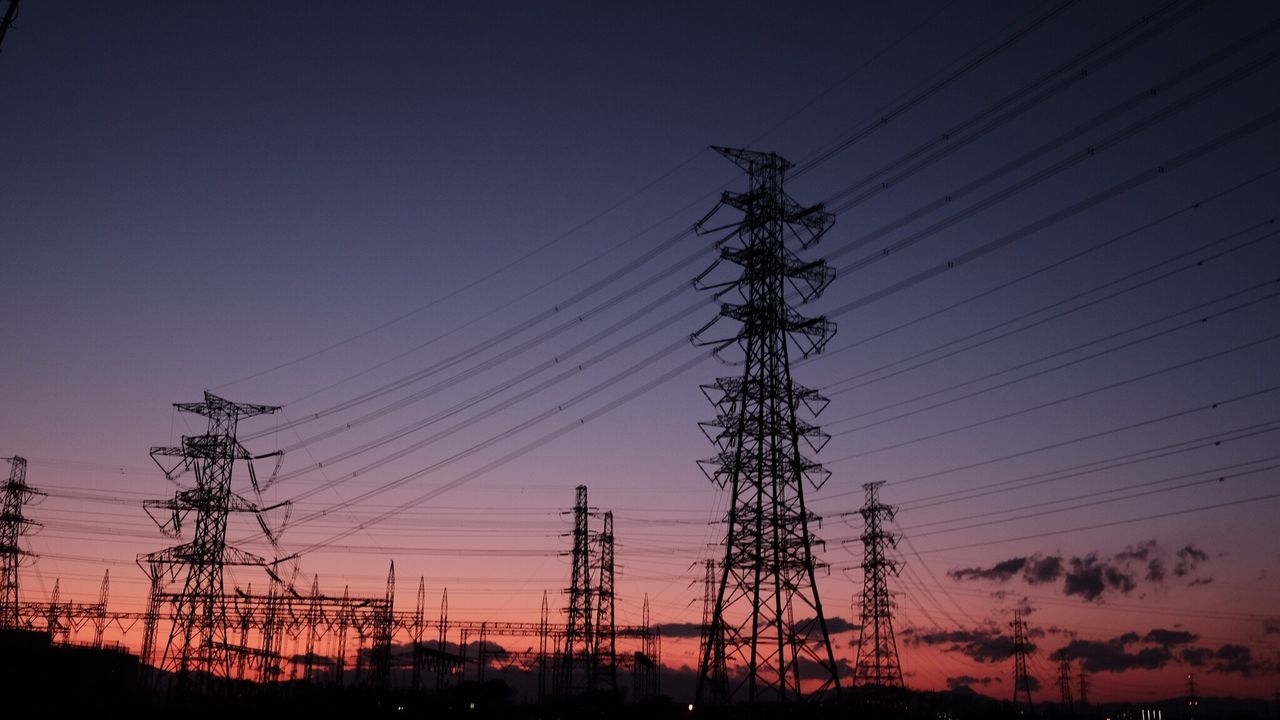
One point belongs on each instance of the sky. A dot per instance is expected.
(1055, 297)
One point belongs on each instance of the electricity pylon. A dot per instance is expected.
(768, 573)
(13, 525)
(579, 640)
(197, 642)
(1021, 678)
(877, 663)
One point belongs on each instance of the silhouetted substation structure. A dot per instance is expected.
(288, 636)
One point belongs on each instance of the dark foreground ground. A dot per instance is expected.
(40, 680)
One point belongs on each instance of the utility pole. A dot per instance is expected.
(877, 663)
(768, 574)
(198, 636)
(1021, 679)
(13, 525)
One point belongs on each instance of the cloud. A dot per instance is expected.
(1188, 558)
(986, 645)
(1197, 656)
(679, 630)
(1036, 570)
(964, 682)
(1271, 627)
(835, 626)
(1228, 659)
(1170, 638)
(1000, 572)
(1042, 569)
(1145, 553)
(1113, 655)
(1200, 581)
(1234, 659)
(1091, 576)
(316, 659)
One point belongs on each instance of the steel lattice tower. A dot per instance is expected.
(13, 525)
(100, 610)
(1064, 685)
(877, 662)
(415, 635)
(575, 661)
(383, 628)
(198, 637)
(768, 573)
(712, 644)
(1021, 678)
(604, 660)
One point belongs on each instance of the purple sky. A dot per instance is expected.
(300, 203)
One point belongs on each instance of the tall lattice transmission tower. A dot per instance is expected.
(1021, 678)
(13, 525)
(767, 605)
(1064, 685)
(604, 662)
(877, 664)
(711, 643)
(576, 660)
(197, 644)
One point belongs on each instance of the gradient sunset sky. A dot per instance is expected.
(440, 233)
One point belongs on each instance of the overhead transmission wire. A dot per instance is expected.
(578, 297)
(1193, 323)
(1185, 412)
(1202, 477)
(844, 79)
(1202, 442)
(1198, 321)
(529, 447)
(1073, 159)
(538, 418)
(1077, 69)
(478, 281)
(471, 351)
(885, 117)
(1114, 523)
(1126, 235)
(1068, 398)
(560, 359)
(1189, 266)
(580, 294)
(490, 411)
(1216, 143)
(884, 50)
